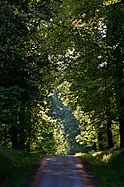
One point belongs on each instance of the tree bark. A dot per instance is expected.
(121, 129)
(109, 134)
(109, 123)
(121, 121)
(14, 137)
(22, 125)
(115, 37)
(100, 141)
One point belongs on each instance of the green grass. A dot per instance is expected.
(107, 166)
(16, 166)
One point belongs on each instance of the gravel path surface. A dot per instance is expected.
(63, 171)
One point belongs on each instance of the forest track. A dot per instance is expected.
(63, 171)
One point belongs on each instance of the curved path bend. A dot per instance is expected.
(63, 171)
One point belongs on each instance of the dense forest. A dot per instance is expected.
(61, 75)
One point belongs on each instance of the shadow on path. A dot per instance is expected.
(63, 171)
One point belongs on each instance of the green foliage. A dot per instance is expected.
(16, 166)
(66, 128)
(109, 2)
(107, 167)
(25, 64)
(62, 146)
(75, 46)
(93, 77)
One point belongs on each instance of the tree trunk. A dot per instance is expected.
(5, 135)
(121, 129)
(14, 131)
(100, 143)
(14, 137)
(109, 123)
(94, 146)
(22, 126)
(116, 38)
(121, 121)
(109, 134)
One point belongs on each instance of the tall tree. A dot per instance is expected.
(115, 37)
(24, 65)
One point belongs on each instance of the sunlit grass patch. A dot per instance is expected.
(107, 166)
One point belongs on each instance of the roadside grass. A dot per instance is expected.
(107, 167)
(16, 166)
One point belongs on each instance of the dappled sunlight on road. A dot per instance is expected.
(63, 171)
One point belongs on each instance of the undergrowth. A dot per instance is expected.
(107, 166)
(16, 166)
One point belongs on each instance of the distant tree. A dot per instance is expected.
(66, 124)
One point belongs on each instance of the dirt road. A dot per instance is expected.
(63, 171)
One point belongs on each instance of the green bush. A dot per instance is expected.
(107, 166)
(16, 166)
